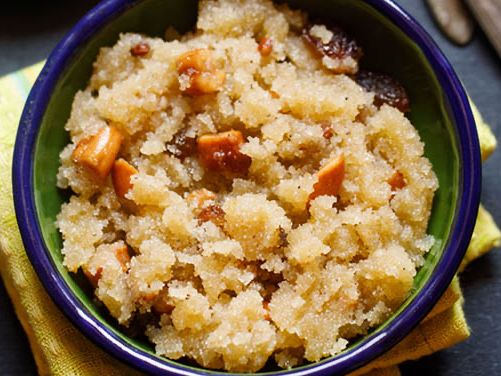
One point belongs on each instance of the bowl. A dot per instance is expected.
(393, 43)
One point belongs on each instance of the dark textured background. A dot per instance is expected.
(30, 29)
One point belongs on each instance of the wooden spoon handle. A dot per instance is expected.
(453, 17)
(488, 15)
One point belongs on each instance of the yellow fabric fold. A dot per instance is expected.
(485, 237)
(60, 349)
(437, 333)
(487, 139)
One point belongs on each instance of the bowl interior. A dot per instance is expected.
(387, 49)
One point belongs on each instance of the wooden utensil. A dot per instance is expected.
(488, 15)
(453, 19)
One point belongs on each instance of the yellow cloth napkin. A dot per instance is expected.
(60, 349)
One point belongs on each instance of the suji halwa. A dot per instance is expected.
(245, 187)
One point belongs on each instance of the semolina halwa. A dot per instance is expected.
(246, 187)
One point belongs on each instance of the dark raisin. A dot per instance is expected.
(232, 160)
(340, 46)
(386, 89)
(221, 152)
(184, 146)
(140, 49)
(213, 213)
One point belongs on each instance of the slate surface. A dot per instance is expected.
(30, 29)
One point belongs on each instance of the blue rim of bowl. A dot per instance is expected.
(370, 347)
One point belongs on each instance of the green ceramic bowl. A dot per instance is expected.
(393, 43)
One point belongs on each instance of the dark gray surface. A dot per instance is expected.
(29, 30)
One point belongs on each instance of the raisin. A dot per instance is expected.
(213, 213)
(341, 45)
(184, 146)
(386, 89)
(221, 152)
(140, 49)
